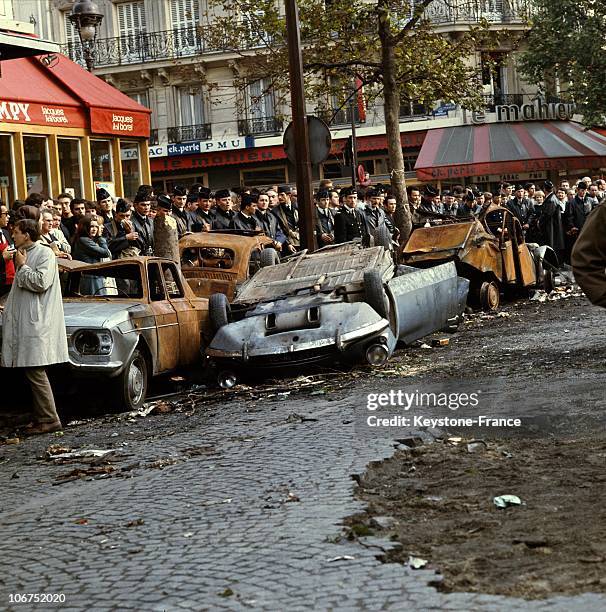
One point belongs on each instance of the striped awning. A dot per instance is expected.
(500, 148)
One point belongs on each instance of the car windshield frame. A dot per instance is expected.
(85, 278)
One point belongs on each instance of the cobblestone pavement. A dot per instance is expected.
(234, 505)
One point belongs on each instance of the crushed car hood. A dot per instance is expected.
(96, 314)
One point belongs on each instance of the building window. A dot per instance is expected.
(101, 160)
(131, 25)
(184, 16)
(7, 174)
(141, 97)
(260, 109)
(191, 106)
(264, 176)
(131, 166)
(70, 166)
(36, 164)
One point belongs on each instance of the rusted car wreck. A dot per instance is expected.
(490, 251)
(342, 303)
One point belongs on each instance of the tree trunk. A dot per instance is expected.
(391, 98)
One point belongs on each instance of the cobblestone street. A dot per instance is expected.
(239, 504)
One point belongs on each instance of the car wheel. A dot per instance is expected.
(375, 293)
(131, 384)
(489, 296)
(382, 237)
(218, 311)
(548, 281)
(269, 257)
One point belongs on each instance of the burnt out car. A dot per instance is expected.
(490, 251)
(128, 320)
(219, 261)
(342, 303)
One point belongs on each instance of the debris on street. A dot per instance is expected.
(503, 501)
(417, 562)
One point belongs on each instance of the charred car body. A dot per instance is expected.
(128, 320)
(490, 251)
(341, 303)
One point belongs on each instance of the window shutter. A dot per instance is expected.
(71, 35)
(184, 13)
(131, 18)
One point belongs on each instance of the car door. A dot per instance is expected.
(187, 315)
(166, 319)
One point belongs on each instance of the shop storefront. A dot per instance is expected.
(241, 161)
(64, 129)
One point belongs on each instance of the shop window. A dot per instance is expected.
(264, 176)
(101, 159)
(7, 180)
(331, 170)
(36, 164)
(70, 166)
(131, 167)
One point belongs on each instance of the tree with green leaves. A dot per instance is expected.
(387, 48)
(566, 50)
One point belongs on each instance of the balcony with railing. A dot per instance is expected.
(449, 12)
(139, 48)
(260, 126)
(186, 133)
(340, 117)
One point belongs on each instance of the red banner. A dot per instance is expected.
(119, 123)
(42, 114)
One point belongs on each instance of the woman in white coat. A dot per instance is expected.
(33, 325)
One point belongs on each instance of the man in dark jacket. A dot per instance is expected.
(550, 221)
(223, 213)
(245, 218)
(122, 236)
(521, 208)
(325, 220)
(349, 222)
(268, 222)
(287, 214)
(576, 212)
(203, 216)
(180, 213)
(143, 224)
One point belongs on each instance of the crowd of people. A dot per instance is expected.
(111, 229)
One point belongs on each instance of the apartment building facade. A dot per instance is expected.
(156, 52)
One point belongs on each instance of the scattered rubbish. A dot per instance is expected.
(341, 558)
(12, 441)
(476, 446)
(189, 534)
(383, 522)
(15, 476)
(503, 501)
(566, 331)
(454, 440)
(532, 542)
(114, 434)
(424, 345)
(135, 523)
(434, 498)
(539, 296)
(81, 521)
(177, 379)
(62, 453)
(507, 454)
(216, 502)
(440, 341)
(503, 315)
(300, 418)
(318, 392)
(80, 422)
(417, 562)
(226, 593)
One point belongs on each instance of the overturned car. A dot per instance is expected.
(342, 303)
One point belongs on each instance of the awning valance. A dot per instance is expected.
(60, 93)
(498, 148)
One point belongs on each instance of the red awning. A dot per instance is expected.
(497, 148)
(62, 94)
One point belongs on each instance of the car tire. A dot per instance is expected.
(219, 311)
(269, 257)
(490, 297)
(382, 237)
(131, 385)
(375, 293)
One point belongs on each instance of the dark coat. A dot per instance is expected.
(523, 210)
(184, 219)
(222, 220)
(241, 222)
(90, 250)
(199, 217)
(375, 217)
(270, 226)
(144, 226)
(324, 224)
(549, 224)
(288, 218)
(349, 224)
(576, 212)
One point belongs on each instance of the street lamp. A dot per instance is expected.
(87, 19)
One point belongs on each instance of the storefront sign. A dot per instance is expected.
(41, 114)
(207, 146)
(120, 123)
(538, 110)
(511, 178)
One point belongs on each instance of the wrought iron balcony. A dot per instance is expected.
(259, 125)
(445, 12)
(185, 133)
(153, 138)
(138, 48)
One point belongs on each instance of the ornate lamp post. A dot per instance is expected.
(87, 19)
